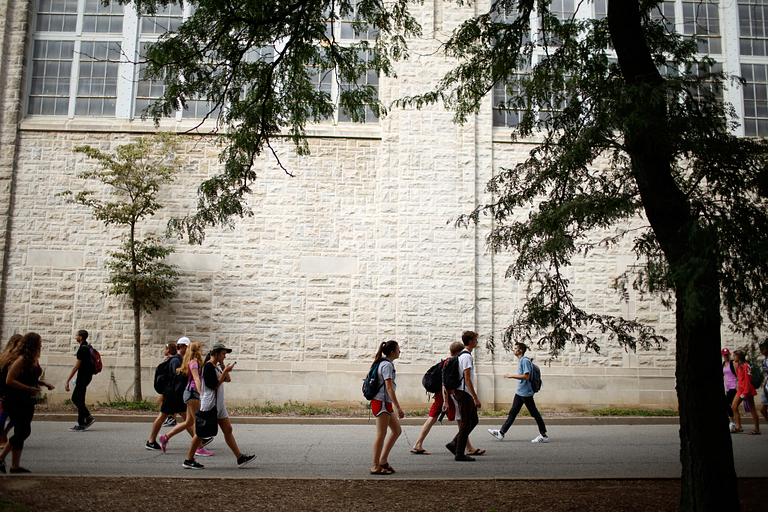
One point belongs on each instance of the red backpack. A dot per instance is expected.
(95, 359)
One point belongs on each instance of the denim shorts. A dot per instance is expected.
(764, 398)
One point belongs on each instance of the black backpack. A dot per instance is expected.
(370, 389)
(535, 378)
(161, 375)
(452, 377)
(433, 379)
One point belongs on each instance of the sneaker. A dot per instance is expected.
(77, 428)
(451, 447)
(541, 438)
(19, 470)
(731, 426)
(152, 446)
(2, 466)
(202, 452)
(163, 442)
(496, 433)
(244, 459)
(88, 423)
(207, 441)
(169, 422)
(192, 464)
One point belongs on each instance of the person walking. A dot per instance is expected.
(169, 350)
(731, 383)
(382, 408)
(173, 402)
(745, 392)
(13, 341)
(214, 375)
(764, 366)
(22, 372)
(84, 369)
(466, 397)
(190, 368)
(444, 404)
(523, 395)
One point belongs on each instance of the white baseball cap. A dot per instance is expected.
(183, 341)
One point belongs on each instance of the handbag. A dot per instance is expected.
(206, 422)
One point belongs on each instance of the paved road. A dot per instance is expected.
(344, 451)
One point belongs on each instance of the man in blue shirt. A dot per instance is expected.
(523, 395)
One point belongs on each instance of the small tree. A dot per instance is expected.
(134, 174)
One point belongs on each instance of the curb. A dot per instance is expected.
(309, 420)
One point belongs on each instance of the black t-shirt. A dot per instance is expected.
(210, 377)
(85, 371)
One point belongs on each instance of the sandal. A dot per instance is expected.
(736, 430)
(420, 452)
(381, 471)
(388, 467)
(754, 433)
(477, 451)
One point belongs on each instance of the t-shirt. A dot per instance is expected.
(85, 370)
(211, 395)
(386, 371)
(193, 366)
(466, 361)
(524, 386)
(764, 365)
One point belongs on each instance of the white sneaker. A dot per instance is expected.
(496, 433)
(731, 426)
(540, 439)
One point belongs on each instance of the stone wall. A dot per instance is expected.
(357, 248)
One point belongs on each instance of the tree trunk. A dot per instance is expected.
(706, 453)
(136, 350)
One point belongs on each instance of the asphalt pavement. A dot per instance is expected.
(301, 450)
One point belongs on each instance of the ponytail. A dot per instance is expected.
(385, 348)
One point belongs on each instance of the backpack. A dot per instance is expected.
(452, 377)
(433, 379)
(161, 375)
(178, 382)
(757, 375)
(535, 378)
(370, 389)
(96, 363)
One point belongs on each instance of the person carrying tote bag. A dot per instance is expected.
(212, 414)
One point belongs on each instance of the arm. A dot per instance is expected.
(526, 376)
(72, 374)
(228, 378)
(446, 397)
(46, 384)
(470, 386)
(195, 373)
(224, 377)
(13, 374)
(393, 396)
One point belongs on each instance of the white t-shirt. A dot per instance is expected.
(386, 371)
(466, 361)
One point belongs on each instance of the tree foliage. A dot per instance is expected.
(133, 174)
(257, 64)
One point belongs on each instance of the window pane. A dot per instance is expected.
(51, 66)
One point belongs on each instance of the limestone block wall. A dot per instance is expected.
(357, 248)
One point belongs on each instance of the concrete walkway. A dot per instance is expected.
(342, 449)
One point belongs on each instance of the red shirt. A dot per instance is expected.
(744, 373)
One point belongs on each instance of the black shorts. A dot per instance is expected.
(172, 405)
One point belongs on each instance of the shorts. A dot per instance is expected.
(377, 409)
(191, 394)
(437, 408)
(764, 398)
(171, 405)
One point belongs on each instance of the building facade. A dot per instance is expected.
(355, 249)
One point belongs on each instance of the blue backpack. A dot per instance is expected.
(370, 389)
(535, 378)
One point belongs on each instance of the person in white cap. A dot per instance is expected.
(173, 402)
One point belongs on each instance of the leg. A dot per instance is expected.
(189, 421)
(196, 443)
(394, 432)
(424, 431)
(531, 405)
(78, 398)
(465, 423)
(755, 418)
(156, 426)
(21, 415)
(735, 409)
(226, 428)
(517, 404)
(382, 421)
(729, 396)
